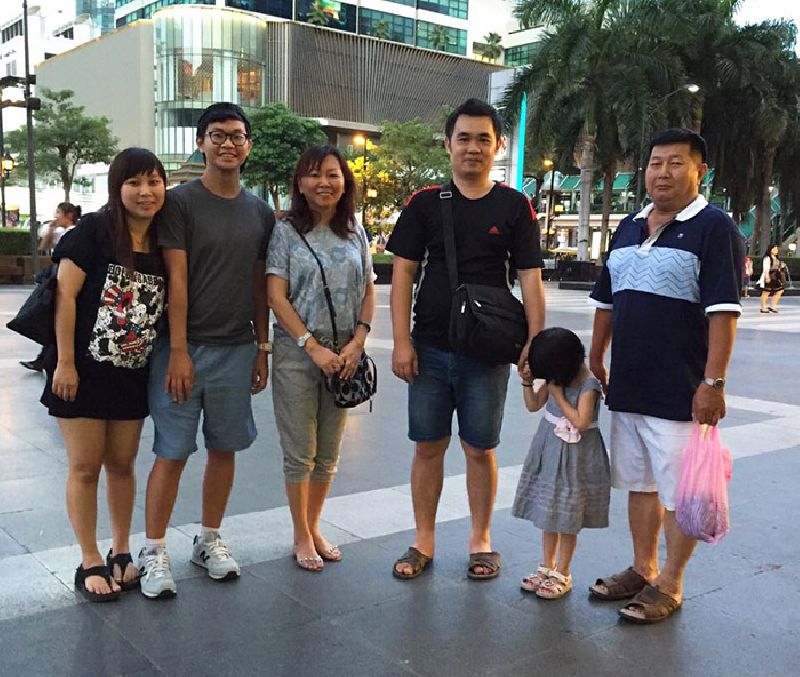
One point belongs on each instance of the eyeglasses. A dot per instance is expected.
(219, 137)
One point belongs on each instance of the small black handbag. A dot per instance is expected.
(486, 323)
(36, 318)
(347, 393)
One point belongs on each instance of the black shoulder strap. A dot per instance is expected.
(327, 291)
(448, 230)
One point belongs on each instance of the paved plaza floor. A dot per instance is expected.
(741, 614)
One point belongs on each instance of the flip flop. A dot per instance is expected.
(122, 560)
(656, 605)
(331, 554)
(308, 563)
(101, 570)
(623, 585)
(484, 560)
(418, 561)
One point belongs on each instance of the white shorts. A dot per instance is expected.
(646, 454)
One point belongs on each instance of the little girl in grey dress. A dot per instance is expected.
(565, 482)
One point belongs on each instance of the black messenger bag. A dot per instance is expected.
(486, 323)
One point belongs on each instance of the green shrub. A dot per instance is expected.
(382, 258)
(15, 241)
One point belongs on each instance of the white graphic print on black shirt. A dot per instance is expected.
(130, 306)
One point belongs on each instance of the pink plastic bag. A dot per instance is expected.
(701, 500)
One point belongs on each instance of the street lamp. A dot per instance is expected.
(361, 140)
(647, 112)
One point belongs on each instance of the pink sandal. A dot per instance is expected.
(532, 582)
(556, 586)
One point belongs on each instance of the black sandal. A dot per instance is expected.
(418, 561)
(101, 570)
(122, 560)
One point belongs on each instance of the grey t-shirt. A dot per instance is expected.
(348, 267)
(223, 238)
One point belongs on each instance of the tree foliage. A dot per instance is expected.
(493, 47)
(317, 16)
(279, 137)
(64, 138)
(381, 30)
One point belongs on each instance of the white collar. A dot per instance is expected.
(688, 212)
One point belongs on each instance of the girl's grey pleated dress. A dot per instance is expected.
(564, 486)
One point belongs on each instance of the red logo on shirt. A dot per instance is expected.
(494, 230)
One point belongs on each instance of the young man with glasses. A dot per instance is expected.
(214, 237)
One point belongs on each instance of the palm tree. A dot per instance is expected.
(317, 16)
(493, 48)
(381, 30)
(440, 38)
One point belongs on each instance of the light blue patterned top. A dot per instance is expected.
(348, 267)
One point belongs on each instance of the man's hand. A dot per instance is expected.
(708, 405)
(599, 370)
(522, 363)
(180, 375)
(329, 362)
(404, 361)
(260, 373)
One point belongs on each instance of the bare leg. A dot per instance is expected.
(85, 442)
(645, 515)
(317, 492)
(217, 484)
(679, 550)
(775, 298)
(427, 475)
(481, 491)
(764, 297)
(298, 495)
(122, 445)
(162, 490)
(566, 549)
(549, 548)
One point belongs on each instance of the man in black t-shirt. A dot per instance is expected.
(495, 232)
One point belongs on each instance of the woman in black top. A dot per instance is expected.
(773, 280)
(110, 296)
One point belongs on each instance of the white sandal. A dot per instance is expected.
(532, 582)
(556, 586)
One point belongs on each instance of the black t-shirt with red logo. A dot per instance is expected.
(494, 235)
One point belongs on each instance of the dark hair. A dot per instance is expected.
(556, 355)
(300, 215)
(127, 164)
(72, 211)
(679, 135)
(220, 112)
(477, 109)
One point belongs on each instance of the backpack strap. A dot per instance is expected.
(448, 230)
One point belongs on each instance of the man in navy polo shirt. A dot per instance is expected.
(669, 295)
(494, 232)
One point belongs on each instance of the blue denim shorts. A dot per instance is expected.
(221, 392)
(448, 382)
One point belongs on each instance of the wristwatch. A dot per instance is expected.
(301, 342)
(265, 347)
(366, 325)
(715, 383)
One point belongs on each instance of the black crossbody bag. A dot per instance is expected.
(36, 318)
(348, 393)
(486, 323)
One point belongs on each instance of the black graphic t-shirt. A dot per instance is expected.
(117, 310)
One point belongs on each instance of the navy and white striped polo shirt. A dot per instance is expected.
(659, 292)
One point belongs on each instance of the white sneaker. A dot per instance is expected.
(156, 574)
(216, 558)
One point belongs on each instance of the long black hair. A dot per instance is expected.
(300, 216)
(127, 164)
(556, 355)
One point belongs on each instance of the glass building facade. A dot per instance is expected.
(400, 28)
(203, 57)
(520, 55)
(441, 38)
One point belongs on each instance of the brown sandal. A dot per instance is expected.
(418, 561)
(656, 606)
(623, 585)
(485, 560)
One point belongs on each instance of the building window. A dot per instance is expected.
(147, 11)
(339, 14)
(457, 8)
(520, 55)
(12, 31)
(386, 26)
(407, 3)
(441, 38)
(280, 8)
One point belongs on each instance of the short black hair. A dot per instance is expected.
(680, 135)
(220, 112)
(477, 109)
(556, 355)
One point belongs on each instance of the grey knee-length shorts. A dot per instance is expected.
(309, 424)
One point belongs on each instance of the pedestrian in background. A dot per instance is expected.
(747, 274)
(110, 296)
(319, 231)
(772, 280)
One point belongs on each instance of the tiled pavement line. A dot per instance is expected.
(42, 580)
